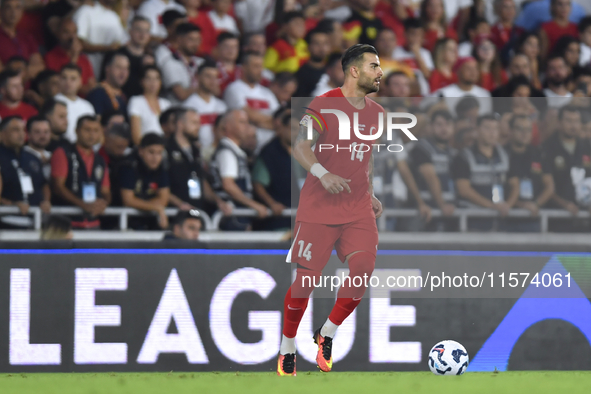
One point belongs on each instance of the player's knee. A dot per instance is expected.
(362, 263)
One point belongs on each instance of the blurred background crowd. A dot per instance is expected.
(154, 104)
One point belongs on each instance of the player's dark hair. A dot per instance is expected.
(34, 119)
(170, 16)
(515, 118)
(49, 106)
(150, 139)
(6, 121)
(487, 117)
(6, 75)
(466, 104)
(85, 118)
(185, 28)
(71, 66)
(226, 35)
(441, 113)
(567, 108)
(412, 23)
(355, 54)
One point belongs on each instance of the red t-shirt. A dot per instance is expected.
(554, 32)
(32, 23)
(208, 33)
(23, 44)
(437, 80)
(316, 204)
(23, 109)
(226, 77)
(431, 37)
(500, 35)
(391, 21)
(58, 57)
(487, 80)
(59, 165)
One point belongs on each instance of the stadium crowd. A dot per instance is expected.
(156, 103)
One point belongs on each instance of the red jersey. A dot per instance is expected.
(431, 37)
(437, 80)
(349, 161)
(554, 31)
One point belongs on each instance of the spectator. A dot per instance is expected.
(290, 51)
(108, 97)
(80, 177)
(565, 151)
(272, 172)
(445, 57)
(570, 49)
(218, 129)
(310, 72)
(153, 10)
(559, 26)
(57, 228)
(430, 162)
(481, 174)
(283, 87)
(227, 54)
(413, 53)
(19, 65)
(186, 226)
(201, 19)
(536, 185)
(70, 84)
(529, 45)
(222, 21)
(145, 183)
(362, 26)
(112, 118)
(397, 84)
(145, 110)
(56, 112)
(248, 94)
(179, 69)
(467, 71)
(535, 13)
(333, 78)
(12, 40)
(171, 19)
(100, 30)
(69, 51)
(491, 70)
(136, 51)
(504, 31)
(467, 111)
(257, 43)
(39, 133)
(167, 121)
(12, 91)
(232, 179)
(585, 35)
(250, 143)
(189, 184)
(334, 29)
(385, 45)
(476, 28)
(434, 22)
(556, 79)
(115, 152)
(205, 102)
(254, 15)
(22, 182)
(52, 14)
(43, 87)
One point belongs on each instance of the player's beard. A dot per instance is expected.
(368, 84)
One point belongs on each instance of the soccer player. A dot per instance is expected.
(337, 205)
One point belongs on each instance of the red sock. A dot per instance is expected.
(293, 311)
(349, 296)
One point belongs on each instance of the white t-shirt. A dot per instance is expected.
(465, 49)
(227, 161)
(208, 112)
(453, 94)
(239, 95)
(153, 10)
(255, 14)
(99, 26)
(402, 55)
(557, 101)
(225, 23)
(585, 58)
(138, 106)
(76, 108)
(176, 72)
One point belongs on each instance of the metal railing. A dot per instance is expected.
(212, 223)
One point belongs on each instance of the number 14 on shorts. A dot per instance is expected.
(305, 252)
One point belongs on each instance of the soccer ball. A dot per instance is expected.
(448, 358)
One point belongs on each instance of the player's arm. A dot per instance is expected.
(303, 153)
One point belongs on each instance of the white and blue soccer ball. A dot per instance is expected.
(448, 358)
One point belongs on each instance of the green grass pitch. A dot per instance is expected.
(306, 382)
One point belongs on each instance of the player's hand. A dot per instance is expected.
(334, 184)
(572, 208)
(531, 207)
(376, 205)
(502, 208)
(425, 212)
(23, 207)
(448, 209)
